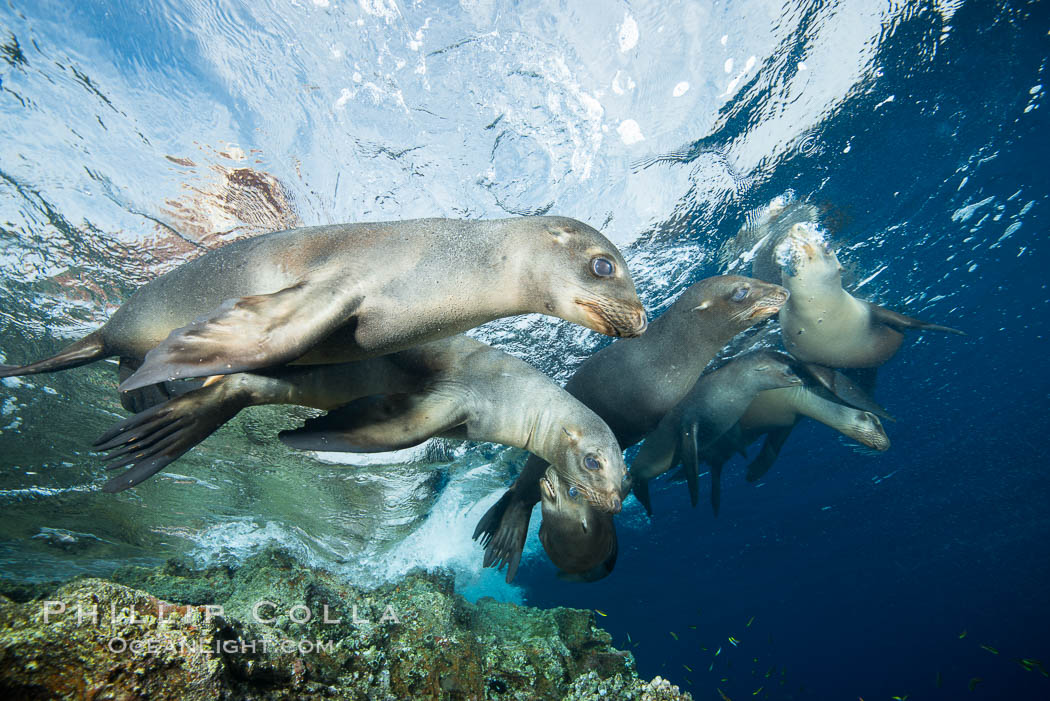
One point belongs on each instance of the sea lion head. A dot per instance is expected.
(578, 539)
(806, 259)
(865, 428)
(591, 464)
(768, 370)
(585, 280)
(733, 300)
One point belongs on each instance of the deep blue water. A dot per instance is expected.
(869, 597)
(929, 160)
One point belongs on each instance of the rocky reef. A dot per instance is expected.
(273, 628)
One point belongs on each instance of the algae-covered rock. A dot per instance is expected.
(273, 628)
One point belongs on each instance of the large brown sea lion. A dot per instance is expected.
(632, 384)
(716, 402)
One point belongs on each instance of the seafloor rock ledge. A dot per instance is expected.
(288, 631)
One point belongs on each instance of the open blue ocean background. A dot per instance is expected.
(134, 135)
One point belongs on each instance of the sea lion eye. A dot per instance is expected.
(573, 492)
(591, 464)
(602, 267)
(740, 294)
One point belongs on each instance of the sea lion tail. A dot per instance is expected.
(151, 440)
(86, 350)
(503, 530)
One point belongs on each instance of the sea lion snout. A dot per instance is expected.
(615, 317)
(871, 433)
(769, 303)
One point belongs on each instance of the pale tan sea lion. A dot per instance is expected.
(774, 413)
(824, 324)
(455, 387)
(348, 292)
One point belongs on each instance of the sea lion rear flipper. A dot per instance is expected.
(903, 323)
(775, 440)
(378, 423)
(249, 333)
(151, 440)
(846, 390)
(503, 530)
(86, 350)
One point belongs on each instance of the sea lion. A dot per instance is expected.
(763, 230)
(580, 541)
(824, 324)
(454, 387)
(712, 406)
(631, 385)
(775, 412)
(347, 292)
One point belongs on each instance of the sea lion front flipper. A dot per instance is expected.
(143, 398)
(151, 440)
(640, 487)
(691, 462)
(249, 333)
(846, 390)
(903, 323)
(775, 440)
(503, 530)
(378, 423)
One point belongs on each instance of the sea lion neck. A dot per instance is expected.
(684, 335)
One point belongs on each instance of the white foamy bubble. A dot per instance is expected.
(391, 457)
(628, 33)
(445, 540)
(630, 132)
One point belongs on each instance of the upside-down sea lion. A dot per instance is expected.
(824, 324)
(347, 292)
(580, 541)
(631, 385)
(709, 409)
(775, 412)
(454, 387)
